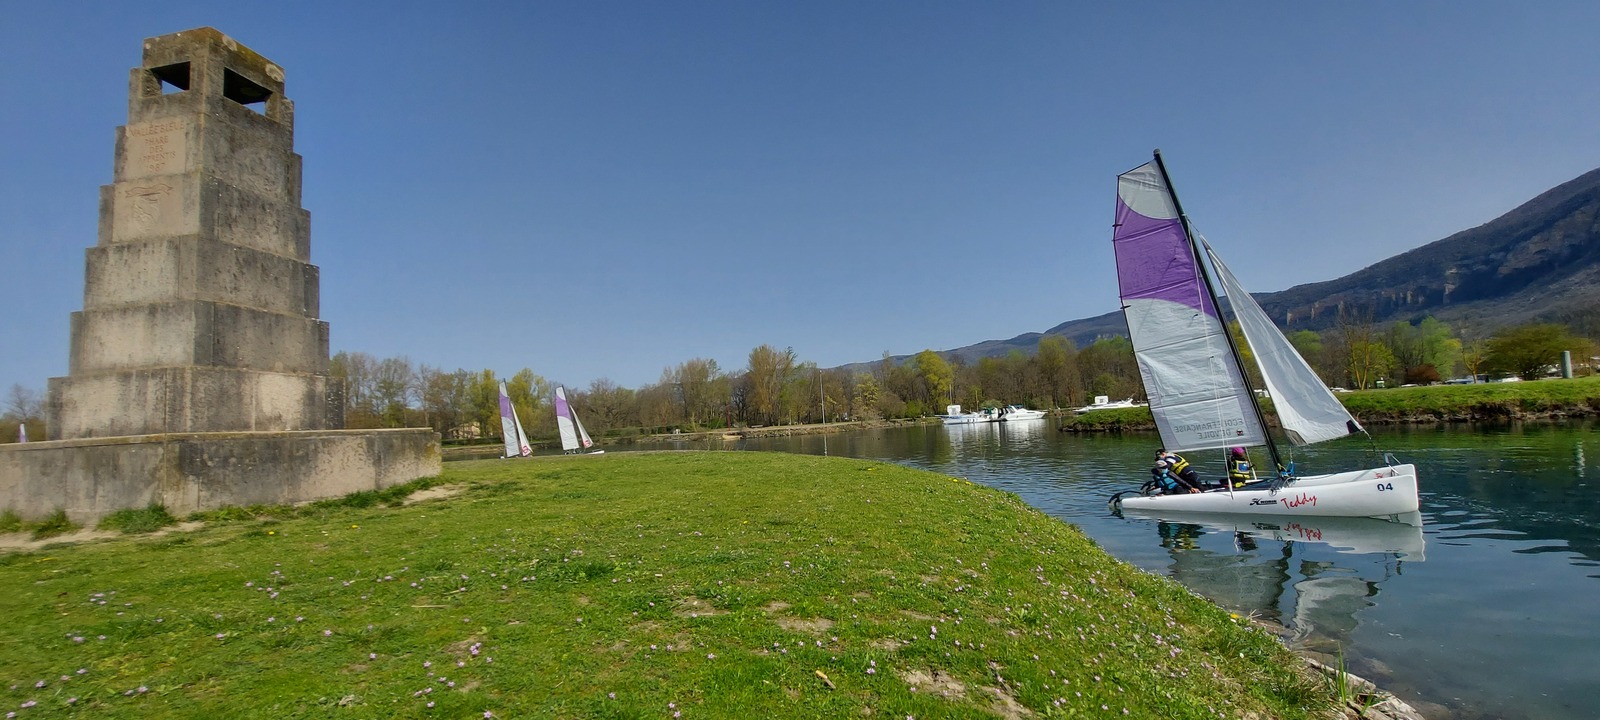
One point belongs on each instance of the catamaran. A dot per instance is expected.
(1199, 391)
(574, 439)
(511, 431)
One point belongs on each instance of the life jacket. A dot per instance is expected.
(1239, 471)
(1175, 463)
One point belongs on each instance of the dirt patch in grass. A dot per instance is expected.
(934, 681)
(695, 607)
(814, 626)
(1004, 705)
(774, 607)
(438, 492)
(24, 541)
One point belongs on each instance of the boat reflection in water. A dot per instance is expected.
(1312, 575)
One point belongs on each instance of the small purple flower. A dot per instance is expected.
(326, 633)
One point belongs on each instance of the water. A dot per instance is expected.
(1487, 610)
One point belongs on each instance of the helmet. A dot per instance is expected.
(1238, 452)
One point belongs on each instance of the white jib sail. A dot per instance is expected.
(1308, 411)
(564, 421)
(583, 435)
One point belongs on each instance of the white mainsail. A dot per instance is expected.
(1198, 397)
(1306, 408)
(516, 439)
(565, 424)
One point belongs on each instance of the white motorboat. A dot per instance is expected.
(1200, 395)
(1018, 413)
(953, 416)
(1104, 402)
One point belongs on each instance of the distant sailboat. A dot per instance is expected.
(574, 439)
(22, 432)
(516, 438)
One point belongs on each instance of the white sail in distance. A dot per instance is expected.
(511, 432)
(565, 424)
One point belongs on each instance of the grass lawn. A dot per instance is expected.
(659, 585)
(1485, 401)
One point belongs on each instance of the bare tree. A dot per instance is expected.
(24, 404)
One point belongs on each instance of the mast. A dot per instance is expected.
(1205, 278)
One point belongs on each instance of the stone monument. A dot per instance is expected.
(198, 369)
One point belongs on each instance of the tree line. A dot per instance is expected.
(776, 387)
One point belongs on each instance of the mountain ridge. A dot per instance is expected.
(1540, 261)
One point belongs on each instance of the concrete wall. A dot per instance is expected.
(191, 399)
(202, 471)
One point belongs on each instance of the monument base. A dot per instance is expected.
(185, 472)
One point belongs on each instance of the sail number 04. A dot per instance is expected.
(1385, 486)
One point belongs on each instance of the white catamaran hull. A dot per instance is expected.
(1378, 492)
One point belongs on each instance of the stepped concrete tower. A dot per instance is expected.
(200, 302)
(198, 367)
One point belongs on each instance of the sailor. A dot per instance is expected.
(1238, 467)
(1174, 473)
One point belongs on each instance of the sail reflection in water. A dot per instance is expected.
(1313, 576)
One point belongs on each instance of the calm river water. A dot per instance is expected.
(1488, 610)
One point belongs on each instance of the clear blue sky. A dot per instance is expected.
(603, 189)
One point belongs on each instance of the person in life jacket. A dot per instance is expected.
(1174, 474)
(1238, 467)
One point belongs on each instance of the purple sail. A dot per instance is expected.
(1197, 393)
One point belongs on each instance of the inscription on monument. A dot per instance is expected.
(157, 148)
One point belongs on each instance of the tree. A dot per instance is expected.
(483, 395)
(1363, 353)
(358, 372)
(864, 403)
(394, 384)
(1058, 370)
(765, 379)
(1369, 361)
(613, 406)
(24, 404)
(1108, 368)
(1527, 350)
(444, 398)
(938, 375)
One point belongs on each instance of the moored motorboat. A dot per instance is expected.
(1104, 402)
(954, 416)
(1017, 413)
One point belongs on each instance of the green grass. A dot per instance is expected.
(131, 521)
(1487, 401)
(718, 585)
(1135, 418)
(53, 525)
